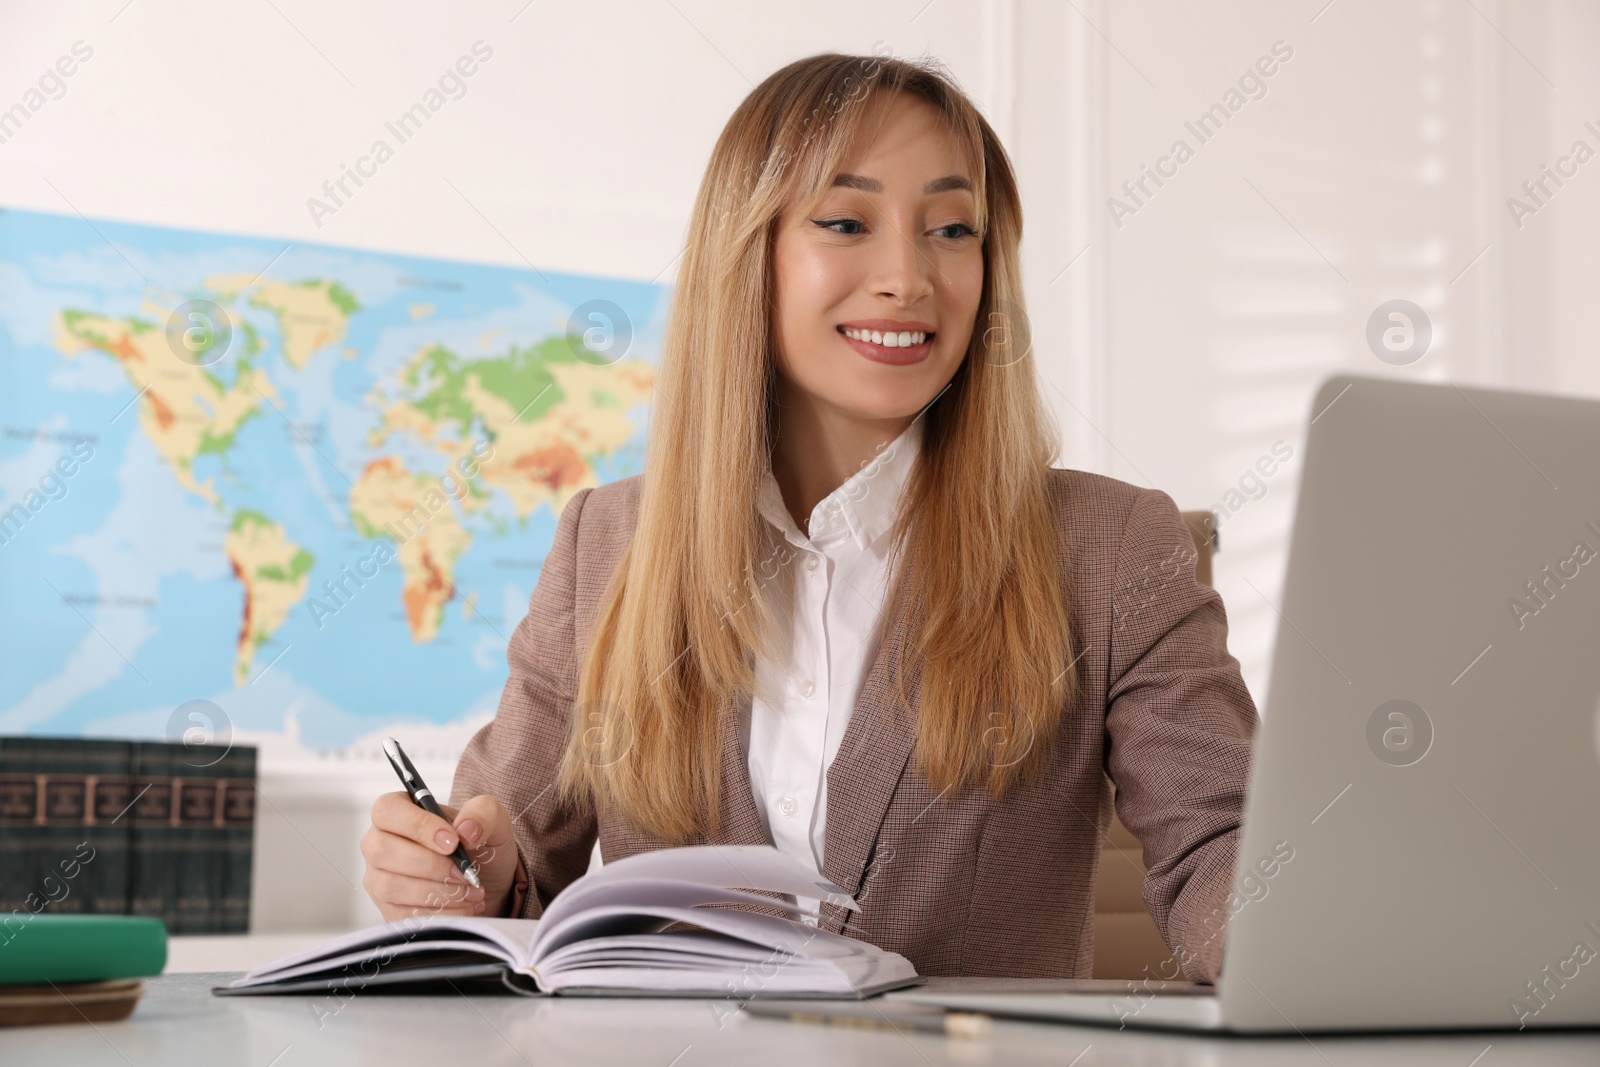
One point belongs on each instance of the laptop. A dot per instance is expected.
(1429, 753)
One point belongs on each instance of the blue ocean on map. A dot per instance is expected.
(309, 486)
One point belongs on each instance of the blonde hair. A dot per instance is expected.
(989, 635)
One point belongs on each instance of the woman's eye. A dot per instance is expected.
(830, 223)
(961, 229)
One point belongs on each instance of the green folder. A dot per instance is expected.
(35, 949)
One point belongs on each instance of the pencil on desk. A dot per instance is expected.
(872, 1017)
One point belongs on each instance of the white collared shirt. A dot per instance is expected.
(838, 577)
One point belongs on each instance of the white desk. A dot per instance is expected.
(237, 952)
(179, 1022)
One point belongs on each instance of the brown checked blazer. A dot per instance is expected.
(958, 884)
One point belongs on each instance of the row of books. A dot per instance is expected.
(109, 827)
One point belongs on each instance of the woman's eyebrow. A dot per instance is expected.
(872, 185)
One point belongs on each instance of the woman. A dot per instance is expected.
(851, 609)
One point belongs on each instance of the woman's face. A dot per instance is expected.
(890, 250)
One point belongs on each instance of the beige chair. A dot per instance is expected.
(1126, 941)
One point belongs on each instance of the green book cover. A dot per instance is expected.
(79, 948)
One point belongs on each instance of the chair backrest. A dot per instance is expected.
(1127, 943)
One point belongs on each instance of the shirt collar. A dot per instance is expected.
(864, 504)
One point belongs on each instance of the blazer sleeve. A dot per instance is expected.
(1179, 724)
(514, 757)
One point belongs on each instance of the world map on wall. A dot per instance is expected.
(311, 486)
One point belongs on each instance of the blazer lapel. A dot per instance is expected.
(741, 822)
(872, 757)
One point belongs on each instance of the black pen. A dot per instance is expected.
(423, 796)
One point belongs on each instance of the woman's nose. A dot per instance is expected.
(902, 269)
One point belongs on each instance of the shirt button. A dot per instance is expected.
(807, 687)
(813, 563)
(788, 806)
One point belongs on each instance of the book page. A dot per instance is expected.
(786, 936)
(627, 892)
(382, 955)
(502, 939)
(722, 866)
(738, 953)
(684, 949)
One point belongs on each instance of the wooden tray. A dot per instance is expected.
(68, 1002)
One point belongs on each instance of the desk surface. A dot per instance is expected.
(179, 1022)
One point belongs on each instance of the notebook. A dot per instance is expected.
(606, 934)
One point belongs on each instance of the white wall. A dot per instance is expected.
(1175, 348)
(1182, 343)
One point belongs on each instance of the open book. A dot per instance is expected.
(605, 934)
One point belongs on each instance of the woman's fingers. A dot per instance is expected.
(485, 826)
(397, 814)
(407, 894)
(391, 852)
(409, 870)
(486, 829)
(408, 851)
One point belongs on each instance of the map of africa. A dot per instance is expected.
(311, 486)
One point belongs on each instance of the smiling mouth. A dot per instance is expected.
(889, 339)
(904, 348)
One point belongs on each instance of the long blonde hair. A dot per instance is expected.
(684, 608)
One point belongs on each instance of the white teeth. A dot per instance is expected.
(903, 339)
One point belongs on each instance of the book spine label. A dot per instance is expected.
(65, 849)
(146, 828)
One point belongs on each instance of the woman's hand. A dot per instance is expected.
(409, 869)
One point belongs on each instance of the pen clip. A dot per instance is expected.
(402, 765)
